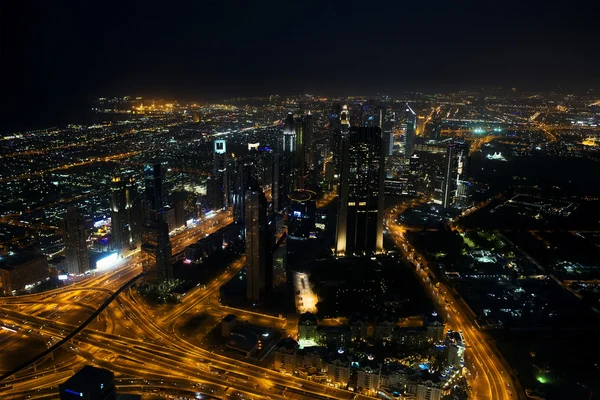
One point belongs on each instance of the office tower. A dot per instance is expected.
(409, 132)
(195, 116)
(219, 175)
(339, 135)
(463, 199)
(360, 211)
(242, 172)
(75, 238)
(90, 383)
(259, 271)
(154, 192)
(299, 163)
(125, 218)
(156, 243)
(301, 214)
(420, 125)
(280, 182)
(289, 134)
(387, 132)
(344, 119)
(455, 189)
(308, 142)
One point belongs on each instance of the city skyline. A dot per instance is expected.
(334, 200)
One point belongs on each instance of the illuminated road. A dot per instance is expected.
(140, 343)
(489, 378)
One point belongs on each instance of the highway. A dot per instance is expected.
(489, 378)
(140, 343)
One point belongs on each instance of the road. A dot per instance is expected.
(141, 343)
(489, 379)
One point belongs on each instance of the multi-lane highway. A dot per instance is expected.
(489, 378)
(140, 343)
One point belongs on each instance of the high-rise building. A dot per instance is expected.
(75, 238)
(387, 130)
(89, 383)
(456, 184)
(289, 134)
(154, 192)
(218, 186)
(308, 142)
(259, 268)
(156, 243)
(360, 211)
(242, 172)
(125, 215)
(409, 132)
(433, 130)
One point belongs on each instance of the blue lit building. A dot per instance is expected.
(89, 383)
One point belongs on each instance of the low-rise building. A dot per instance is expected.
(368, 377)
(338, 369)
(284, 356)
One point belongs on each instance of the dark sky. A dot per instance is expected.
(57, 55)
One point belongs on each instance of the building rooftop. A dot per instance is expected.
(88, 377)
(14, 260)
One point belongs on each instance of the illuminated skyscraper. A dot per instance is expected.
(360, 211)
(156, 243)
(75, 238)
(154, 192)
(344, 119)
(456, 185)
(125, 214)
(217, 186)
(411, 127)
(259, 267)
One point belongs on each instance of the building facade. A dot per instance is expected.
(360, 211)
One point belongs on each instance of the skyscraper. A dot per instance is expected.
(154, 192)
(75, 237)
(217, 185)
(455, 189)
(259, 269)
(308, 141)
(125, 218)
(155, 232)
(409, 132)
(360, 211)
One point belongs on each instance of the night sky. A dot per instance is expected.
(56, 55)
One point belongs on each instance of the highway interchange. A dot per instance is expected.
(149, 356)
(138, 343)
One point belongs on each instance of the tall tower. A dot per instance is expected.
(411, 128)
(456, 185)
(219, 181)
(74, 235)
(154, 192)
(124, 218)
(308, 142)
(259, 269)
(155, 232)
(360, 211)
